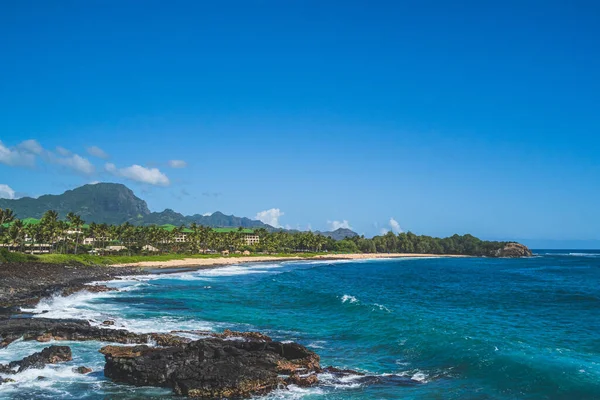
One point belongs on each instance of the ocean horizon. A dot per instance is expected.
(440, 328)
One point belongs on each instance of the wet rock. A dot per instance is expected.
(50, 355)
(24, 283)
(210, 368)
(6, 380)
(337, 371)
(44, 330)
(88, 288)
(108, 323)
(82, 370)
(302, 381)
(243, 335)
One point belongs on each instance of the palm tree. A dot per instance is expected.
(16, 233)
(6, 216)
(49, 224)
(76, 222)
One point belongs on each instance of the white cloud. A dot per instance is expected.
(97, 152)
(25, 153)
(177, 164)
(32, 146)
(6, 192)
(270, 217)
(62, 151)
(16, 157)
(207, 214)
(75, 162)
(94, 183)
(137, 173)
(395, 226)
(335, 225)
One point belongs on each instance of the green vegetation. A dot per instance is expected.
(116, 204)
(74, 241)
(7, 256)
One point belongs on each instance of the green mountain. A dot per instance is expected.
(114, 203)
(339, 234)
(109, 203)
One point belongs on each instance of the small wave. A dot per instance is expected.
(573, 254)
(84, 306)
(317, 344)
(382, 308)
(349, 298)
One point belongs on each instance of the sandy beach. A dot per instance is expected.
(208, 262)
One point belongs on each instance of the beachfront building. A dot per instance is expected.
(249, 236)
(28, 247)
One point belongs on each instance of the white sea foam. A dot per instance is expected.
(349, 298)
(382, 308)
(84, 305)
(415, 375)
(317, 344)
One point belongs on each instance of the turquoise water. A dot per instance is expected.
(422, 328)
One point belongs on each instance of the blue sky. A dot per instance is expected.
(445, 116)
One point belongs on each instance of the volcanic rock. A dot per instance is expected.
(44, 330)
(210, 368)
(82, 370)
(50, 355)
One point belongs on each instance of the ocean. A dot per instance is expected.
(446, 328)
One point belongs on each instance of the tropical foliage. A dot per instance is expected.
(65, 237)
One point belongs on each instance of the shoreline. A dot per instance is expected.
(223, 261)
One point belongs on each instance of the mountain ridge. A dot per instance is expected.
(115, 203)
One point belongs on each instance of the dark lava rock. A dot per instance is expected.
(302, 380)
(513, 250)
(25, 283)
(45, 330)
(88, 288)
(82, 370)
(210, 368)
(50, 355)
(108, 323)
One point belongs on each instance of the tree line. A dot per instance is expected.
(67, 236)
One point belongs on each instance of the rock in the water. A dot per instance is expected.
(108, 323)
(210, 368)
(50, 355)
(45, 330)
(302, 381)
(513, 250)
(82, 370)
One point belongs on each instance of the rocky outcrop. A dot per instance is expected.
(50, 355)
(513, 250)
(45, 330)
(212, 368)
(88, 288)
(25, 283)
(82, 370)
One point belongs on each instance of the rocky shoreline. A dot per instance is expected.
(217, 365)
(25, 284)
(211, 366)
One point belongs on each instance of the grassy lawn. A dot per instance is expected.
(86, 259)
